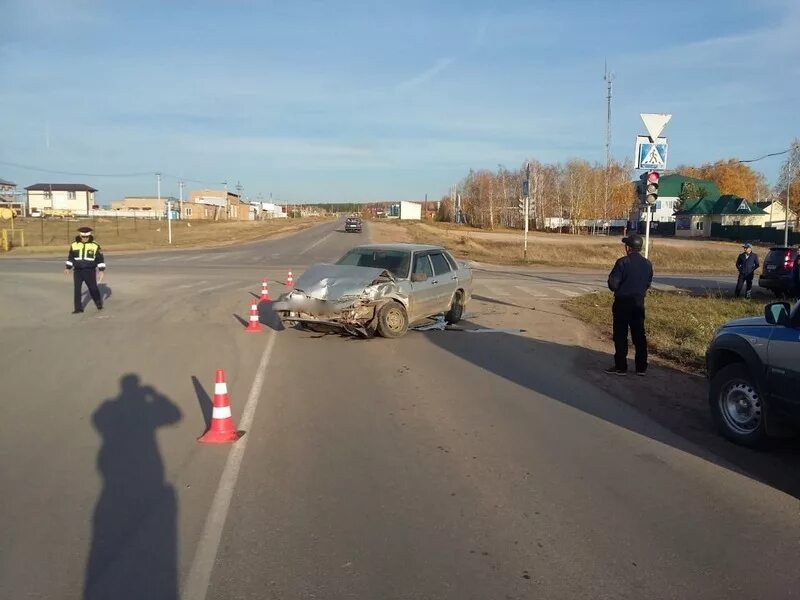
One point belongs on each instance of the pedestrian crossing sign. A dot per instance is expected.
(651, 156)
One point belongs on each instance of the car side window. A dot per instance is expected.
(423, 265)
(440, 264)
(451, 260)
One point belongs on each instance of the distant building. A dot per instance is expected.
(151, 204)
(776, 214)
(77, 198)
(269, 210)
(8, 191)
(670, 188)
(215, 205)
(410, 211)
(695, 219)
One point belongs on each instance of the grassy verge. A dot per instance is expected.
(679, 326)
(503, 247)
(49, 235)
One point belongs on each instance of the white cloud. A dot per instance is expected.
(426, 75)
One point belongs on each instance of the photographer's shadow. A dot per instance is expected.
(134, 529)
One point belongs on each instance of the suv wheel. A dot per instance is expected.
(392, 320)
(737, 405)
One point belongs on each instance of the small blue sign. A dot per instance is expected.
(651, 156)
(524, 187)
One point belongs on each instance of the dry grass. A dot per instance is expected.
(50, 235)
(679, 326)
(667, 255)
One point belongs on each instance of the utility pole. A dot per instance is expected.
(180, 198)
(609, 79)
(158, 187)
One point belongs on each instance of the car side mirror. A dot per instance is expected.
(419, 277)
(777, 313)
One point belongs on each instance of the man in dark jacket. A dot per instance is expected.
(746, 264)
(630, 279)
(84, 260)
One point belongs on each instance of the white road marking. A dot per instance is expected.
(195, 257)
(212, 288)
(318, 242)
(218, 257)
(536, 293)
(195, 586)
(563, 292)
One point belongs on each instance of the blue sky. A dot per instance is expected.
(359, 101)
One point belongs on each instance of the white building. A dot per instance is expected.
(75, 197)
(410, 211)
(269, 210)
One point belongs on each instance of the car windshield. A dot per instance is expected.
(394, 261)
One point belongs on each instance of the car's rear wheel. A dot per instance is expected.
(737, 405)
(456, 311)
(392, 320)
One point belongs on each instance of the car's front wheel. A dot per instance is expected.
(737, 405)
(392, 320)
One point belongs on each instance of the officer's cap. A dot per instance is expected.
(747, 245)
(85, 231)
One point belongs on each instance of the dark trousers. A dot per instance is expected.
(88, 276)
(748, 279)
(628, 313)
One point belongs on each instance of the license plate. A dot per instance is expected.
(771, 267)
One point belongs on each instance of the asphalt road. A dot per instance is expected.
(441, 465)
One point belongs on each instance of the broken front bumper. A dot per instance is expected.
(352, 316)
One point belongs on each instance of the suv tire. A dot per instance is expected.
(392, 320)
(737, 406)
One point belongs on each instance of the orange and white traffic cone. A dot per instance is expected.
(222, 429)
(264, 292)
(289, 280)
(254, 324)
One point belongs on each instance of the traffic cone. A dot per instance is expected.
(222, 429)
(289, 280)
(254, 324)
(264, 292)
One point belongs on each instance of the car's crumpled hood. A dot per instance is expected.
(333, 282)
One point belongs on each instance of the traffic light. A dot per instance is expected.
(651, 187)
(521, 204)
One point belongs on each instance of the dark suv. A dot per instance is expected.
(781, 272)
(352, 224)
(754, 370)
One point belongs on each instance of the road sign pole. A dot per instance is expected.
(527, 218)
(647, 233)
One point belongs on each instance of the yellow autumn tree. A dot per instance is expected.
(731, 176)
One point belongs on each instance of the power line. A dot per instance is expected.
(765, 156)
(55, 172)
(77, 174)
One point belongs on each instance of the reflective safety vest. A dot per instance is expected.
(85, 255)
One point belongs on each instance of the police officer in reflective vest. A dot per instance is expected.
(84, 260)
(630, 279)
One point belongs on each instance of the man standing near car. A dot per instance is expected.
(630, 279)
(84, 260)
(746, 264)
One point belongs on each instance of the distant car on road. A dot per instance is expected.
(379, 288)
(754, 369)
(781, 272)
(353, 224)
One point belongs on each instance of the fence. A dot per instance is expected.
(753, 233)
(664, 228)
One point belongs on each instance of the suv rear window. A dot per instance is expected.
(783, 257)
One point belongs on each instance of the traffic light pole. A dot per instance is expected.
(647, 232)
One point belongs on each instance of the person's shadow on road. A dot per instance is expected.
(105, 294)
(134, 529)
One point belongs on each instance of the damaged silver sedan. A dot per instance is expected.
(378, 289)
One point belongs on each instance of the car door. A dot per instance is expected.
(444, 280)
(784, 365)
(423, 293)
